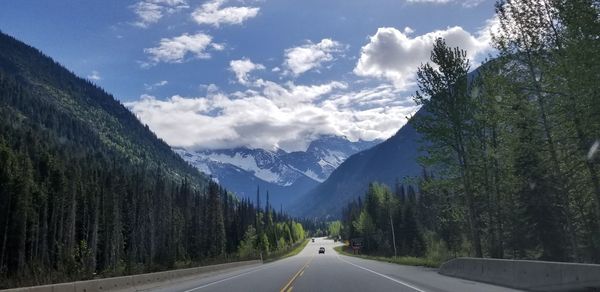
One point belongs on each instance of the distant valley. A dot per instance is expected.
(286, 175)
(389, 162)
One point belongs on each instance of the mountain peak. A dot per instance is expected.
(285, 173)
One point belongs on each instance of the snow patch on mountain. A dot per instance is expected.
(248, 163)
(242, 169)
(313, 175)
(194, 160)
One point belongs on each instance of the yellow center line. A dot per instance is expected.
(289, 283)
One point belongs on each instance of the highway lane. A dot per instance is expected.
(310, 271)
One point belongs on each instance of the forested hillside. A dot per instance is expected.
(512, 166)
(388, 162)
(86, 189)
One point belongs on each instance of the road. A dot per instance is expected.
(310, 271)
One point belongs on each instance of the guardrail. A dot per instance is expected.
(526, 275)
(133, 282)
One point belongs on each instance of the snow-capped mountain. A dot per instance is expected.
(284, 174)
(324, 155)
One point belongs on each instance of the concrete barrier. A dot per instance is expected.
(132, 283)
(526, 275)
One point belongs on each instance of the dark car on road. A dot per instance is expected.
(321, 250)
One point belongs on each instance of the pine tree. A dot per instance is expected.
(216, 226)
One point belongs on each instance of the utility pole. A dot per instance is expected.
(393, 234)
(389, 203)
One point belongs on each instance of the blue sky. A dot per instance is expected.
(266, 73)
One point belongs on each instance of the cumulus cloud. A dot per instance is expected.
(491, 27)
(175, 50)
(151, 11)
(286, 116)
(242, 67)
(95, 75)
(310, 56)
(395, 55)
(212, 13)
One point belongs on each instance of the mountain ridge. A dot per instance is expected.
(284, 174)
(110, 120)
(387, 162)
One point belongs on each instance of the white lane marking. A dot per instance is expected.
(226, 279)
(382, 275)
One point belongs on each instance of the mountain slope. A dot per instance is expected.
(284, 174)
(87, 190)
(387, 162)
(46, 84)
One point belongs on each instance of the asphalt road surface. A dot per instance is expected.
(311, 271)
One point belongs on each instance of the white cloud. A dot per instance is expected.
(309, 56)
(395, 56)
(429, 1)
(156, 85)
(175, 50)
(209, 88)
(287, 116)
(472, 3)
(218, 47)
(290, 94)
(151, 11)
(491, 27)
(242, 67)
(95, 75)
(212, 13)
(464, 3)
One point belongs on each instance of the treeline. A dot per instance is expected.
(511, 149)
(70, 211)
(272, 233)
(87, 191)
(69, 220)
(385, 222)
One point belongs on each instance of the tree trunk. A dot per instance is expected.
(5, 235)
(563, 197)
(393, 235)
(473, 225)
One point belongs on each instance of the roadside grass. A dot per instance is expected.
(285, 254)
(409, 261)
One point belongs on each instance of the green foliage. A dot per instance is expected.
(263, 243)
(247, 248)
(86, 189)
(364, 224)
(402, 260)
(335, 228)
(386, 223)
(292, 250)
(509, 166)
(445, 93)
